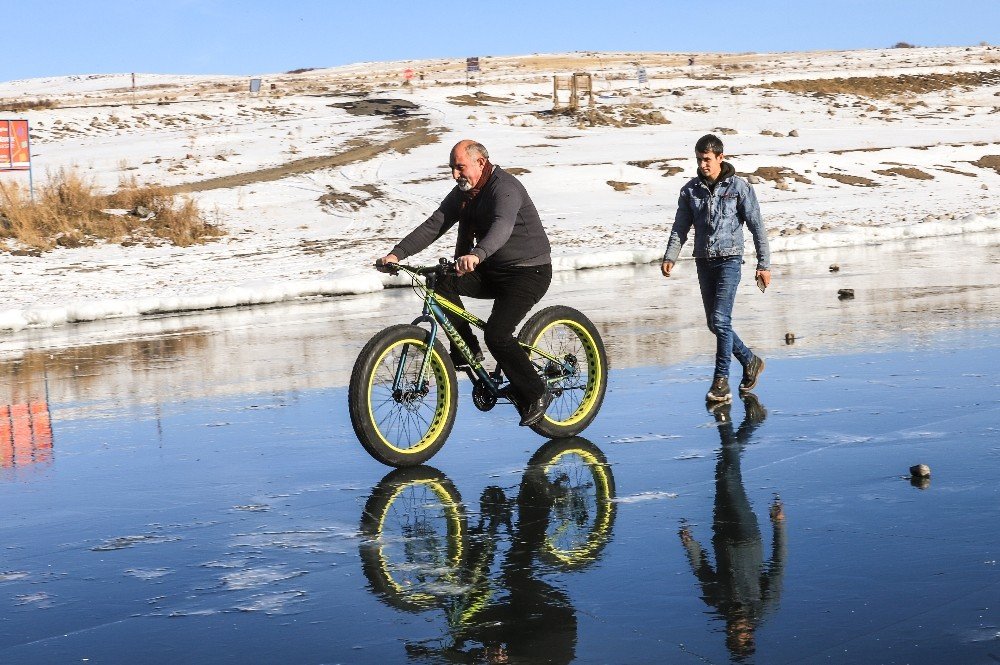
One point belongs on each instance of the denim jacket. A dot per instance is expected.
(718, 219)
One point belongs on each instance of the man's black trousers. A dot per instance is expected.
(514, 290)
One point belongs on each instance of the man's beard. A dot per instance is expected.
(464, 184)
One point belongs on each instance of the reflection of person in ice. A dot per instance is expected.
(522, 618)
(538, 621)
(742, 587)
(565, 513)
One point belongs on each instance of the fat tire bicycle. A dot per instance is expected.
(403, 393)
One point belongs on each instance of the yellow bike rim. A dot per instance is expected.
(594, 370)
(439, 417)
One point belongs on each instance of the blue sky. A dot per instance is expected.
(52, 37)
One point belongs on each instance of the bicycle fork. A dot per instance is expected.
(434, 316)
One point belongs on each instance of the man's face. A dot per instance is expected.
(466, 168)
(709, 164)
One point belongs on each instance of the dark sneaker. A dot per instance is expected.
(460, 362)
(751, 373)
(756, 413)
(535, 410)
(719, 392)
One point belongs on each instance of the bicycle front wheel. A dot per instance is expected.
(415, 534)
(401, 418)
(569, 354)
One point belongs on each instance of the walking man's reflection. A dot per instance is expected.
(742, 588)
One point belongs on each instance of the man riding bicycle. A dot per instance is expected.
(503, 253)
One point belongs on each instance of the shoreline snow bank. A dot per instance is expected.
(258, 293)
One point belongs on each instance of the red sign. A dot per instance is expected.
(15, 150)
(407, 74)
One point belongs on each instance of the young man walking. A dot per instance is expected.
(717, 203)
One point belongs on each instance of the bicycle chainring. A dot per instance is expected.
(482, 397)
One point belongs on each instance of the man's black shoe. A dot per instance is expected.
(535, 410)
(751, 373)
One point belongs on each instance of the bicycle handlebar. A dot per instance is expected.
(442, 268)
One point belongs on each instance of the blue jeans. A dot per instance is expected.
(718, 278)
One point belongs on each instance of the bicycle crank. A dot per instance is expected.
(483, 397)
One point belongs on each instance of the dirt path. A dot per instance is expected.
(415, 132)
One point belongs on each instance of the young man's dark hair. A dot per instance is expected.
(709, 143)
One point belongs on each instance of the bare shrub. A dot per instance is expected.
(69, 211)
(179, 222)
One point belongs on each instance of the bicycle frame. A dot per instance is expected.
(434, 314)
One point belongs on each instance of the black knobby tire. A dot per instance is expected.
(405, 427)
(415, 534)
(567, 334)
(569, 482)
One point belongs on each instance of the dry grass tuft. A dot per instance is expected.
(661, 164)
(846, 179)
(69, 211)
(478, 99)
(988, 162)
(881, 87)
(777, 174)
(906, 172)
(27, 105)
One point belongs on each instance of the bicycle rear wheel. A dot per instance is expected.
(577, 377)
(406, 424)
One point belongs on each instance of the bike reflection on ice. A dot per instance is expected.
(742, 588)
(421, 553)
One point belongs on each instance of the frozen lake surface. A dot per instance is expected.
(189, 489)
